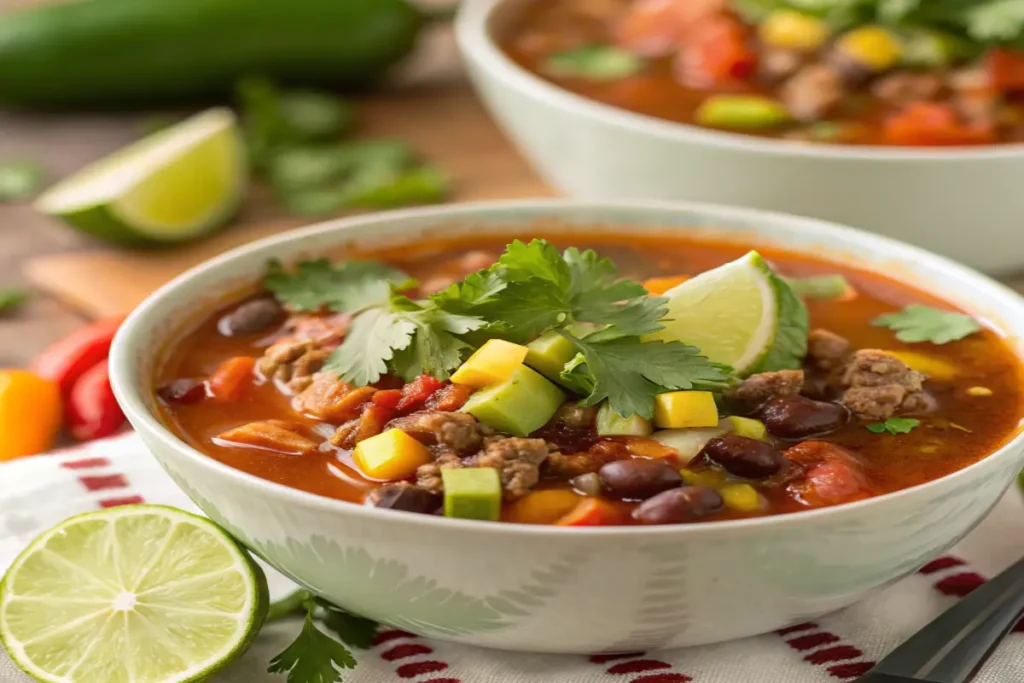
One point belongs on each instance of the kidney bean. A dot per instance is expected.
(405, 497)
(796, 417)
(638, 479)
(678, 505)
(744, 457)
(182, 391)
(251, 317)
(589, 483)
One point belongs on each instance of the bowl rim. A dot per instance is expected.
(473, 32)
(123, 367)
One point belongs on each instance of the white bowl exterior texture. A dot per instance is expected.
(964, 204)
(547, 589)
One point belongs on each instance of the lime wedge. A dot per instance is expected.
(177, 184)
(133, 594)
(741, 314)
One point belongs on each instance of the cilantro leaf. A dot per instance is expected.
(435, 349)
(372, 340)
(290, 605)
(995, 20)
(351, 629)
(790, 346)
(349, 287)
(894, 425)
(630, 372)
(19, 180)
(600, 296)
(314, 657)
(11, 299)
(917, 323)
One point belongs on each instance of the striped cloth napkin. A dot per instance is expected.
(36, 493)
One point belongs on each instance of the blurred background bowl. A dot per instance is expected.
(963, 203)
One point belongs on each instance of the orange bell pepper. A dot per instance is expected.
(30, 413)
(542, 507)
(933, 125)
(230, 379)
(657, 286)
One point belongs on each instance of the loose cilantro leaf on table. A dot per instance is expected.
(348, 287)
(314, 657)
(19, 180)
(894, 425)
(11, 299)
(630, 372)
(917, 323)
(351, 629)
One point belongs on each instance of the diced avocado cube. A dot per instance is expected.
(610, 423)
(390, 455)
(472, 493)
(493, 363)
(741, 111)
(549, 353)
(748, 427)
(519, 406)
(679, 409)
(926, 48)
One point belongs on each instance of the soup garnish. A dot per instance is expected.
(536, 385)
(934, 73)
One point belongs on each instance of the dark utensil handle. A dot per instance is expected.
(952, 648)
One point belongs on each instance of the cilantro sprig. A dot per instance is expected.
(532, 289)
(894, 425)
(917, 323)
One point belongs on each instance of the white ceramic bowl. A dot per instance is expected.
(551, 589)
(963, 203)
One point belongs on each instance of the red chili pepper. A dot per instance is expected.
(69, 358)
(416, 393)
(92, 411)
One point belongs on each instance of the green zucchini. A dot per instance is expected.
(128, 52)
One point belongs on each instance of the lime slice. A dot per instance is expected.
(133, 594)
(740, 314)
(174, 185)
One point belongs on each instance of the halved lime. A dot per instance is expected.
(179, 183)
(133, 594)
(740, 314)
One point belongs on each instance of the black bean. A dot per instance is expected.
(796, 417)
(638, 479)
(678, 505)
(251, 317)
(744, 457)
(182, 391)
(405, 497)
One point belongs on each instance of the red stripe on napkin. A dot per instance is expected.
(837, 659)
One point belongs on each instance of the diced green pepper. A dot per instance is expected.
(610, 423)
(520, 406)
(595, 63)
(820, 286)
(741, 111)
(926, 48)
(549, 353)
(472, 493)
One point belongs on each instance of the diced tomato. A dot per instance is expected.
(933, 125)
(388, 398)
(832, 475)
(416, 393)
(717, 50)
(1005, 69)
(655, 28)
(231, 378)
(593, 512)
(451, 398)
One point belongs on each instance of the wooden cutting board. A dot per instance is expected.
(431, 107)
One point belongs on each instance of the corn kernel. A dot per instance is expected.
(871, 46)
(740, 497)
(493, 363)
(935, 368)
(748, 427)
(709, 478)
(791, 30)
(679, 409)
(979, 391)
(390, 455)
